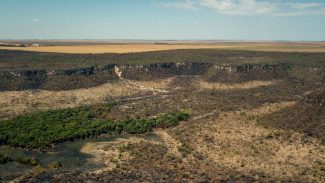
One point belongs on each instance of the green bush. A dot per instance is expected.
(4, 159)
(171, 119)
(28, 161)
(41, 130)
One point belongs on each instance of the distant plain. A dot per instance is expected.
(135, 47)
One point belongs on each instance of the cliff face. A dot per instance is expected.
(93, 76)
(56, 79)
(156, 71)
(245, 72)
(22, 80)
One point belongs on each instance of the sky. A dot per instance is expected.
(292, 20)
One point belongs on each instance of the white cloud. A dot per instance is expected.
(185, 4)
(250, 7)
(303, 6)
(239, 7)
(36, 20)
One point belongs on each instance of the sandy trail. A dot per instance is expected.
(171, 143)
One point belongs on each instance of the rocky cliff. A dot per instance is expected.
(96, 75)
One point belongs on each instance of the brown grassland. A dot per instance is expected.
(146, 47)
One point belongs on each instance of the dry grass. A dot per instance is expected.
(13, 103)
(107, 153)
(123, 48)
(137, 47)
(234, 140)
(109, 156)
(224, 86)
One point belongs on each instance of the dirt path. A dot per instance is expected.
(171, 143)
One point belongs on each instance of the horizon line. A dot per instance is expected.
(166, 40)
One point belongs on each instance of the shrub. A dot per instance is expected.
(4, 159)
(171, 119)
(185, 149)
(55, 165)
(28, 161)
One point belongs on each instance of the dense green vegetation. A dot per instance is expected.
(43, 129)
(23, 60)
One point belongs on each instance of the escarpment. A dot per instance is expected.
(66, 79)
(56, 79)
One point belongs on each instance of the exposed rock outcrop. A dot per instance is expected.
(92, 76)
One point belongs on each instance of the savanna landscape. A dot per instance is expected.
(182, 115)
(162, 91)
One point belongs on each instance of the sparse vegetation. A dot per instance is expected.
(306, 117)
(16, 60)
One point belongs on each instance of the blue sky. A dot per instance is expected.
(163, 19)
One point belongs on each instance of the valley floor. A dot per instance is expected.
(233, 134)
